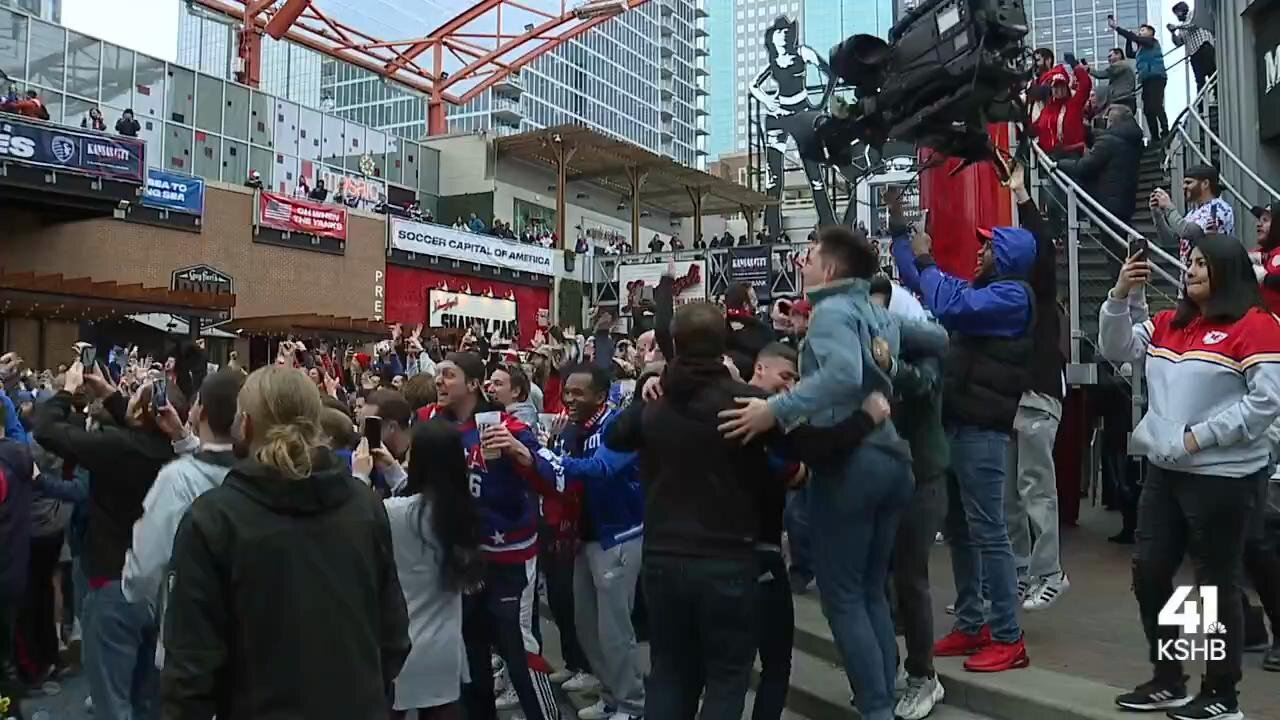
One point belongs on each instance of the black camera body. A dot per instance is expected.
(949, 68)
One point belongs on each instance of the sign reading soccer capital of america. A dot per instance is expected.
(441, 241)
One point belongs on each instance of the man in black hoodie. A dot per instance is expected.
(748, 334)
(705, 515)
(1109, 170)
(123, 461)
(15, 536)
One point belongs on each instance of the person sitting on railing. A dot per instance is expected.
(475, 225)
(1109, 170)
(656, 245)
(1059, 127)
(1197, 39)
(1122, 80)
(94, 120)
(1148, 57)
(128, 125)
(1208, 212)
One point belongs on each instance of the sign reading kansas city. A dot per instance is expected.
(32, 142)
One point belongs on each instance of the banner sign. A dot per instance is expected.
(174, 191)
(1266, 43)
(448, 309)
(39, 143)
(203, 279)
(441, 241)
(291, 214)
(637, 282)
(752, 266)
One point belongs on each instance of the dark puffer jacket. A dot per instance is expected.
(1109, 170)
(15, 518)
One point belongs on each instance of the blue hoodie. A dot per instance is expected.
(993, 306)
(13, 428)
(613, 502)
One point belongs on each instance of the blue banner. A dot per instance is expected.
(753, 266)
(174, 191)
(40, 143)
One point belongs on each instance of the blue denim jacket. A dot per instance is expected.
(837, 369)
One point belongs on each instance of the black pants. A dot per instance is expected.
(11, 686)
(1153, 106)
(1210, 518)
(1262, 561)
(777, 631)
(491, 619)
(1203, 65)
(704, 617)
(916, 531)
(556, 564)
(36, 625)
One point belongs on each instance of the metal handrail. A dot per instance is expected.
(1096, 209)
(1222, 147)
(1207, 161)
(1209, 85)
(1189, 114)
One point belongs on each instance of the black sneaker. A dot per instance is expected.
(1209, 705)
(1271, 661)
(1155, 695)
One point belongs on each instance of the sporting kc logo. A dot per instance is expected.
(63, 148)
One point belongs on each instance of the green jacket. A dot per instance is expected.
(917, 412)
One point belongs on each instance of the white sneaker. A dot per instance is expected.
(508, 700)
(561, 676)
(598, 711)
(1026, 588)
(626, 716)
(921, 695)
(501, 682)
(1047, 593)
(581, 682)
(900, 683)
(495, 662)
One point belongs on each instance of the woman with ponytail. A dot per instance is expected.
(436, 532)
(283, 593)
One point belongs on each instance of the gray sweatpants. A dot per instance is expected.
(604, 591)
(1031, 497)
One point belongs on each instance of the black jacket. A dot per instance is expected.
(747, 337)
(128, 128)
(1048, 360)
(15, 518)
(706, 496)
(122, 462)
(283, 600)
(1109, 170)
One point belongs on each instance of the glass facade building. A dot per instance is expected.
(1080, 26)
(638, 76)
(201, 124)
(738, 54)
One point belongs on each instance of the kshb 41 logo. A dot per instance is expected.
(1195, 619)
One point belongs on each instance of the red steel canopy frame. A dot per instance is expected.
(486, 56)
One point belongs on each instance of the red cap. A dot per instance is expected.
(363, 359)
(986, 233)
(801, 306)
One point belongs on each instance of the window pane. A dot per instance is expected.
(261, 120)
(429, 171)
(117, 76)
(149, 95)
(85, 54)
(309, 134)
(235, 120)
(333, 132)
(13, 44)
(208, 156)
(48, 54)
(53, 102)
(179, 102)
(77, 112)
(261, 159)
(177, 148)
(209, 103)
(235, 161)
(355, 146)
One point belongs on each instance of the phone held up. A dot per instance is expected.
(1138, 247)
(373, 431)
(159, 393)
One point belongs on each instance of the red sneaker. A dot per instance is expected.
(957, 643)
(998, 656)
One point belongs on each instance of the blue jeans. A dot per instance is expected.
(796, 520)
(855, 508)
(120, 656)
(981, 556)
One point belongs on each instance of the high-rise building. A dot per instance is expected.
(638, 76)
(1080, 26)
(50, 10)
(738, 54)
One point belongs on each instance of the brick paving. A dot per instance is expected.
(1093, 631)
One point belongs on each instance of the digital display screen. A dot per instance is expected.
(948, 19)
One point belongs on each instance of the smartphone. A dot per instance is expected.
(1138, 247)
(88, 355)
(159, 393)
(924, 219)
(373, 431)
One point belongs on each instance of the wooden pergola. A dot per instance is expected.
(310, 325)
(55, 297)
(577, 153)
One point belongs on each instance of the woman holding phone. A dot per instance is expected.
(1213, 372)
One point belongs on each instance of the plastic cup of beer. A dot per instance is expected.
(484, 420)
